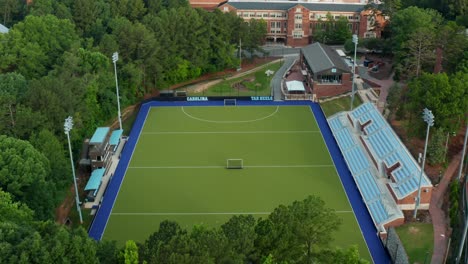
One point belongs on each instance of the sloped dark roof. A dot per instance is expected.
(321, 57)
(337, 7)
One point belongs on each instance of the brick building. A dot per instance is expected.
(327, 73)
(294, 23)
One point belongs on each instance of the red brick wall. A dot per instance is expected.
(410, 199)
(396, 222)
(326, 90)
(425, 197)
(290, 40)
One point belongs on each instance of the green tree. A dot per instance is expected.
(240, 231)
(295, 232)
(48, 144)
(12, 10)
(420, 47)
(131, 252)
(37, 43)
(24, 173)
(349, 256)
(446, 97)
(436, 147)
(412, 23)
(451, 40)
(13, 86)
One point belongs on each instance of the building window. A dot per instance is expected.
(312, 15)
(252, 14)
(369, 35)
(265, 14)
(297, 34)
(297, 26)
(350, 26)
(298, 10)
(298, 16)
(226, 8)
(329, 78)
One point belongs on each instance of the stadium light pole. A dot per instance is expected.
(68, 125)
(115, 58)
(428, 117)
(240, 55)
(355, 41)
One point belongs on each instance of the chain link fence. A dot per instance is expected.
(395, 248)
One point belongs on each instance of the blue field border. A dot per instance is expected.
(376, 248)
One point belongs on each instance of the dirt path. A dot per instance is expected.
(439, 219)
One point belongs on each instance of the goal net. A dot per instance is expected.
(230, 102)
(234, 163)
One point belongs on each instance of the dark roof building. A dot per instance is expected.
(326, 72)
(322, 57)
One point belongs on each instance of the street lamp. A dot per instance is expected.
(115, 58)
(428, 117)
(68, 125)
(355, 41)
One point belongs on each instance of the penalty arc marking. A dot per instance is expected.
(232, 121)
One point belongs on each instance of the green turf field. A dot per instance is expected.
(178, 172)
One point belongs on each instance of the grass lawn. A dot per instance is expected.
(177, 170)
(339, 104)
(253, 84)
(418, 239)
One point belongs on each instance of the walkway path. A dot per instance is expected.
(439, 219)
(277, 79)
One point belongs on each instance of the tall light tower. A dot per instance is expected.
(355, 41)
(428, 117)
(115, 58)
(240, 55)
(68, 125)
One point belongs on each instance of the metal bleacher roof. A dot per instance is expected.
(95, 179)
(115, 137)
(99, 135)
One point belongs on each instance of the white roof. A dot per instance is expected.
(295, 86)
(340, 52)
(3, 29)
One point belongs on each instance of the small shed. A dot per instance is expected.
(295, 87)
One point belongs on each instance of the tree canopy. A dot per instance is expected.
(296, 233)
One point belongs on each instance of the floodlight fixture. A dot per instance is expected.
(428, 117)
(68, 125)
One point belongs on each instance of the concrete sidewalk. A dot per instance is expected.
(439, 219)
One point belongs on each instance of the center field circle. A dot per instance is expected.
(229, 115)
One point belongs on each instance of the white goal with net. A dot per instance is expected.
(234, 164)
(230, 102)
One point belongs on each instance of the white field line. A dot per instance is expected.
(215, 213)
(232, 121)
(230, 132)
(221, 167)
